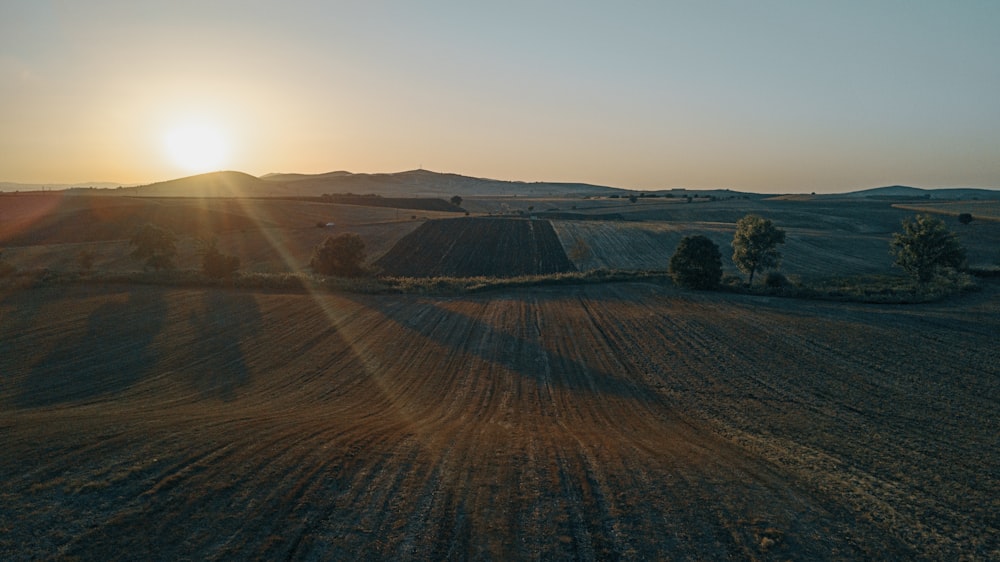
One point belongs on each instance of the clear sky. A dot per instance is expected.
(763, 95)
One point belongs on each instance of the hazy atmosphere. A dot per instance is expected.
(768, 96)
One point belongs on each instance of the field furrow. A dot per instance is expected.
(619, 421)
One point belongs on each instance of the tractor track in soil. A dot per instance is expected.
(629, 421)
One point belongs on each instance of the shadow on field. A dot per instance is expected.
(522, 352)
(219, 366)
(111, 355)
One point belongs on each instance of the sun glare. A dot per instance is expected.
(197, 148)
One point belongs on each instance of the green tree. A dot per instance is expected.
(925, 246)
(697, 263)
(456, 200)
(965, 218)
(342, 255)
(755, 245)
(155, 245)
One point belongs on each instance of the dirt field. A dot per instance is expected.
(472, 247)
(628, 421)
(49, 230)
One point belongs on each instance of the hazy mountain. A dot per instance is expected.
(213, 184)
(907, 192)
(425, 183)
(13, 186)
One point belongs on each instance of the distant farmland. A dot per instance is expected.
(472, 247)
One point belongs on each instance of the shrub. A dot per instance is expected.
(965, 218)
(155, 245)
(775, 280)
(456, 200)
(342, 255)
(696, 263)
(217, 265)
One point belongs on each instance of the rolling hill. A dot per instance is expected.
(413, 183)
(907, 192)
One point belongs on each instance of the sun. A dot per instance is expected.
(197, 147)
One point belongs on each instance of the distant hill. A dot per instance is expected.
(425, 183)
(213, 184)
(414, 183)
(907, 192)
(13, 186)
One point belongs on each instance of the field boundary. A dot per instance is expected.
(877, 289)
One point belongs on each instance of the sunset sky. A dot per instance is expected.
(766, 96)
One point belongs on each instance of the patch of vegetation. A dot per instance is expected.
(926, 248)
(155, 245)
(342, 255)
(217, 265)
(755, 245)
(874, 289)
(697, 263)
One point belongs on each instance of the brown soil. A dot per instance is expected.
(595, 422)
(472, 247)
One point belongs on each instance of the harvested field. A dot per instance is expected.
(49, 230)
(807, 253)
(473, 247)
(595, 422)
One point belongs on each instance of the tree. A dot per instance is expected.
(215, 264)
(341, 255)
(632, 198)
(965, 218)
(155, 245)
(697, 263)
(755, 245)
(456, 200)
(925, 246)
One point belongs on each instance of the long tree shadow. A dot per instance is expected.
(219, 366)
(111, 355)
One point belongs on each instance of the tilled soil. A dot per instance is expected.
(478, 246)
(629, 421)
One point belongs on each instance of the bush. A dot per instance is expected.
(697, 263)
(342, 255)
(965, 218)
(775, 280)
(217, 265)
(155, 245)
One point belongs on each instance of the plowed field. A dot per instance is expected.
(595, 422)
(472, 247)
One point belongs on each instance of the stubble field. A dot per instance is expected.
(628, 421)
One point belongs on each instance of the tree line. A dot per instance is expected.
(923, 249)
